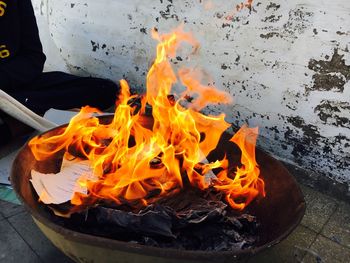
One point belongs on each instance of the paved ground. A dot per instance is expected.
(323, 236)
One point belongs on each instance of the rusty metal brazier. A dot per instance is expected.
(279, 213)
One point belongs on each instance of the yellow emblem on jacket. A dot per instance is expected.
(3, 6)
(4, 52)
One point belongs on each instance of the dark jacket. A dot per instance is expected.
(21, 55)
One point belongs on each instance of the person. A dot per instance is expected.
(21, 69)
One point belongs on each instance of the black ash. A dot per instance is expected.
(190, 220)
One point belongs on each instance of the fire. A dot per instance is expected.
(138, 163)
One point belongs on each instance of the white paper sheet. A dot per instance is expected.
(59, 117)
(59, 188)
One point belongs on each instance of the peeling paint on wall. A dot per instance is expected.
(287, 63)
(335, 113)
(330, 74)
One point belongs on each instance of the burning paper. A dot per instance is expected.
(60, 187)
(74, 173)
(178, 136)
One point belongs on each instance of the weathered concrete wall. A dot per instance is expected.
(287, 63)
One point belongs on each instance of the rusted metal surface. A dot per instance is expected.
(278, 213)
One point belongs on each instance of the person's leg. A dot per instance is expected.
(5, 132)
(11, 128)
(64, 91)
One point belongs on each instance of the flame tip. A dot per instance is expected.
(179, 139)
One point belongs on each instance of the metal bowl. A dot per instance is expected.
(279, 213)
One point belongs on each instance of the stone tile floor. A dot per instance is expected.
(322, 236)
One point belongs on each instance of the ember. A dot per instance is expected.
(147, 169)
(194, 220)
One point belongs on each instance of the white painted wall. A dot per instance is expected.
(282, 62)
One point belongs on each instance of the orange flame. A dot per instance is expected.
(245, 184)
(136, 164)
